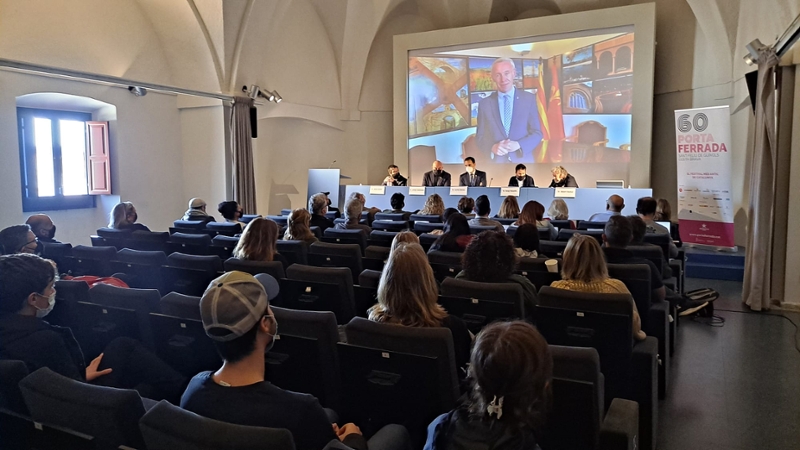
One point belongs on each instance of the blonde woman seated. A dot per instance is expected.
(124, 217)
(509, 209)
(259, 242)
(558, 210)
(434, 205)
(403, 237)
(584, 270)
(298, 227)
(533, 212)
(408, 294)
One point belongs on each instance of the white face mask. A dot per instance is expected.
(272, 342)
(470, 170)
(51, 303)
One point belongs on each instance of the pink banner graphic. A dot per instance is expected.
(705, 206)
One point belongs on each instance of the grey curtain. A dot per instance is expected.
(244, 183)
(757, 291)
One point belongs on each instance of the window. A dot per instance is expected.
(63, 159)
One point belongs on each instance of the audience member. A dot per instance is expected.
(398, 202)
(434, 205)
(533, 212)
(259, 242)
(403, 237)
(614, 206)
(331, 208)
(483, 208)
(510, 373)
(408, 295)
(197, 211)
(18, 239)
(237, 317)
(124, 217)
(318, 207)
(526, 241)
(509, 209)
(447, 213)
(371, 211)
(456, 235)
(231, 212)
(352, 216)
(490, 258)
(663, 211)
(466, 206)
(28, 295)
(298, 227)
(584, 270)
(558, 210)
(646, 209)
(616, 236)
(43, 228)
(638, 230)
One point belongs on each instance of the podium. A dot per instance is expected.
(327, 180)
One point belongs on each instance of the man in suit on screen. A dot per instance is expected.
(508, 119)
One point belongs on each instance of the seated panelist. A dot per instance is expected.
(561, 178)
(472, 177)
(437, 176)
(394, 178)
(521, 179)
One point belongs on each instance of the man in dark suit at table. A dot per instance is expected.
(521, 179)
(472, 177)
(508, 119)
(437, 176)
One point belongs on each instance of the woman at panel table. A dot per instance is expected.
(562, 179)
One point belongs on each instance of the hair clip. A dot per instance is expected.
(495, 407)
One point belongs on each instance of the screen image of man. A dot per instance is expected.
(437, 176)
(521, 178)
(508, 119)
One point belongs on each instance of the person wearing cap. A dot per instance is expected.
(318, 207)
(237, 317)
(43, 228)
(331, 208)
(197, 211)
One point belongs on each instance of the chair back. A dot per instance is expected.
(11, 373)
(114, 237)
(652, 253)
(427, 227)
(184, 343)
(148, 258)
(248, 217)
(505, 221)
(274, 268)
(660, 239)
(295, 252)
(544, 233)
(637, 279)
(304, 357)
(150, 241)
(369, 278)
(91, 260)
(224, 228)
(68, 294)
(426, 240)
(478, 229)
(499, 292)
(433, 342)
(432, 218)
(180, 305)
(535, 270)
(168, 427)
(190, 239)
(110, 416)
(323, 254)
(478, 313)
(444, 264)
(282, 221)
(336, 236)
(381, 238)
(314, 281)
(562, 224)
(58, 253)
(396, 217)
(588, 225)
(377, 252)
(390, 225)
(552, 249)
(190, 274)
(565, 235)
(207, 263)
(191, 224)
(114, 312)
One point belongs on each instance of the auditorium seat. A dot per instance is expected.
(378, 253)
(68, 293)
(504, 221)
(58, 252)
(552, 249)
(369, 278)
(108, 416)
(191, 224)
(168, 427)
(183, 343)
(563, 224)
(295, 252)
(143, 268)
(319, 289)
(427, 227)
(132, 306)
(432, 218)
(274, 268)
(304, 357)
(248, 217)
(472, 293)
(151, 241)
(544, 233)
(91, 260)
(395, 217)
(190, 274)
(11, 401)
(390, 225)
(444, 264)
(334, 236)
(604, 322)
(381, 238)
(180, 305)
(280, 220)
(426, 240)
(588, 225)
(478, 313)
(565, 235)
(535, 270)
(286, 212)
(208, 263)
(323, 254)
(224, 228)
(478, 229)
(114, 237)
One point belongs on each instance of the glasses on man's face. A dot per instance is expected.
(31, 246)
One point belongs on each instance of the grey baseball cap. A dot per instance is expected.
(232, 305)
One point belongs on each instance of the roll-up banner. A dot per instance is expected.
(705, 204)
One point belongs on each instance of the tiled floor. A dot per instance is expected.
(735, 386)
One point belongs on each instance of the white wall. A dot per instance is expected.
(147, 162)
(203, 151)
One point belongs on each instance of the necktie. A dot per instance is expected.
(506, 114)
(472, 180)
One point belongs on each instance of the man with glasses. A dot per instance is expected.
(18, 239)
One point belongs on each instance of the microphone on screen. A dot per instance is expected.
(331, 164)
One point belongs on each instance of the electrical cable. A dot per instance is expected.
(713, 322)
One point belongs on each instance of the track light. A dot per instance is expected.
(137, 91)
(753, 51)
(255, 92)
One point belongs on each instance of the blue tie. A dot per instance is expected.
(506, 114)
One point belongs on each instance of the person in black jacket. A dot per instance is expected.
(472, 176)
(521, 179)
(510, 373)
(394, 178)
(124, 217)
(437, 176)
(561, 178)
(27, 296)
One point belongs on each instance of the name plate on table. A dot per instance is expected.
(458, 190)
(564, 192)
(416, 190)
(377, 190)
(506, 191)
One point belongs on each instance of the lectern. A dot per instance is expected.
(327, 180)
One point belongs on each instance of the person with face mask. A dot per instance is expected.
(394, 178)
(28, 295)
(437, 176)
(472, 177)
(43, 228)
(521, 179)
(237, 317)
(18, 239)
(124, 217)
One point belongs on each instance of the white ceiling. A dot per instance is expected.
(541, 49)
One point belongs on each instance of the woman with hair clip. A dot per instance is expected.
(510, 373)
(298, 227)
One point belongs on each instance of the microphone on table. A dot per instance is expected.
(490, 181)
(331, 164)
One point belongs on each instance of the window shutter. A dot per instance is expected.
(97, 158)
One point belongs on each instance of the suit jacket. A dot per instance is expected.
(525, 127)
(430, 179)
(569, 181)
(480, 179)
(399, 181)
(512, 182)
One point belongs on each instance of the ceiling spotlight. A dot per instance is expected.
(137, 91)
(268, 95)
(278, 97)
(753, 50)
(254, 91)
